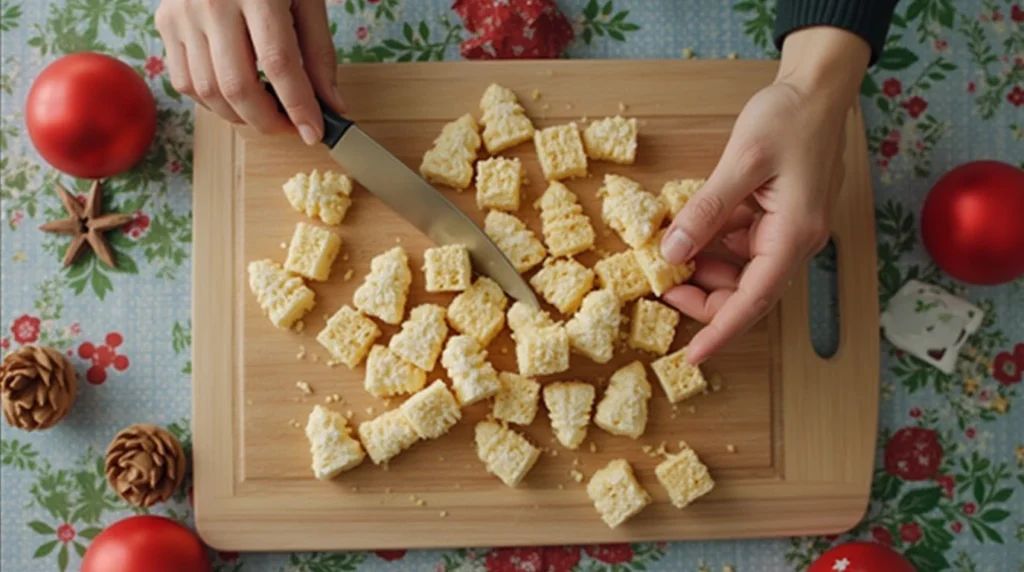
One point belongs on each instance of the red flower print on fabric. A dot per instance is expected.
(611, 553)
(25, 329)
(915, 106)
(138, 226)
(913, 454)
(910, 532)
(362, 33)
(154, 66)
(970, 508)
(947, 484)
(956, 527)
(390, 555)
(524, 559)
(889, 148)
(1016, 96)
(5, 343)
(882, 535)
(529, 29)
(103, 357)
(1008, 368)
(561, 558)
(65, 533)
(533, 559)
(1017, 13)
(227, 556)
(892, 87)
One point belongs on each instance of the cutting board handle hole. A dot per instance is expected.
(823, 301)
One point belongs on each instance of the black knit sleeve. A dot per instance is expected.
(869, 19)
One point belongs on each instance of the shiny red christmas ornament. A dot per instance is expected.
(90, 115)
(973, 222)
(862, 557)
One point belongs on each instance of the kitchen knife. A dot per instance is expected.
(416, 200)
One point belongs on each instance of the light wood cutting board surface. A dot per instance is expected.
(803, 428)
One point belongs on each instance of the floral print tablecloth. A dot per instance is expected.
(948, 89)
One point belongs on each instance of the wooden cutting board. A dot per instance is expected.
(803, 427)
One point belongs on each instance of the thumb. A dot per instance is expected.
(318, 55)
(738, 174)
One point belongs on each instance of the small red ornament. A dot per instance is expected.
(90, 115)
(146, 544)
(861, 557)
(971, 222)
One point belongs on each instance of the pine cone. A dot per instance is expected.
(38, 385)
(145, 464)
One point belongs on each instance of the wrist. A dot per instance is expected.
(825, 64)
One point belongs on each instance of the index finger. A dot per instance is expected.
(277, 49)
(759, 288)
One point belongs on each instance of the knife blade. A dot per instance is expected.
(417, 201)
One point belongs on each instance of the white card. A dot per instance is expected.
(930, 323)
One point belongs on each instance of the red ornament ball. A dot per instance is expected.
(971, 222)
(862, 557)
(146, 544)
(90, 115)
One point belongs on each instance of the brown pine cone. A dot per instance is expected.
(38, 385)
(145, 464)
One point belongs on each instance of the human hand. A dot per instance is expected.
(770, 195)
(213, 49)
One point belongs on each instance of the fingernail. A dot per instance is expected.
(676, 246)
(308, 134)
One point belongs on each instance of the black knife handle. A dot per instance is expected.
(335, 125)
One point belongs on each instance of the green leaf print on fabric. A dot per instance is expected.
(21, 456)
(920, 501)
(325, 562)
(600, 20)
(760, 23)
(896, 58)
(418, 43)
(380, 9)
(1000, 76)
(929, 17)
(181, 342)
(10, 16)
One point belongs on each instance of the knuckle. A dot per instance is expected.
(707, 209)
(277, 61)
(205, 89)
(182, 85)
(235, 88)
